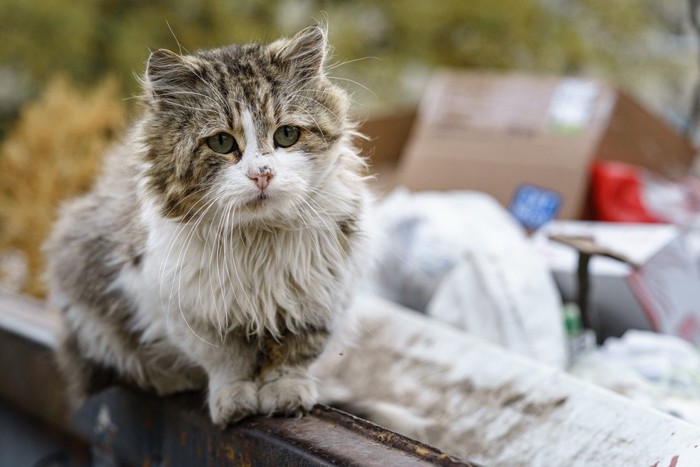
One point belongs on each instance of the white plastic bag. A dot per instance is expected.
(460, 257)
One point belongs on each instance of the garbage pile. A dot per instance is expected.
(577, 242)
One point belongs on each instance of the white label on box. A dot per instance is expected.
(572, 105)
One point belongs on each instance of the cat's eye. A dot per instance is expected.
(286, 135)
(222, 142)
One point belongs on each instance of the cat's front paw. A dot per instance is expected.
(234, 402)
(288, 396)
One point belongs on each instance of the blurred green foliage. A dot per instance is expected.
(390, 46)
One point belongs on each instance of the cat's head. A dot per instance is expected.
(245, 131)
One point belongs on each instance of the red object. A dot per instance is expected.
(617, 194)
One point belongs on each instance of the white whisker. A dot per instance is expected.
(356, 83)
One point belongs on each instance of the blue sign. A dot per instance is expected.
(534, 206)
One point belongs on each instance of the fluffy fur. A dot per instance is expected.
(180, 269)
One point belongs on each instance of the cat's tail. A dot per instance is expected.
(82, 376)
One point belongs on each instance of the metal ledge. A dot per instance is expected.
(126, 427)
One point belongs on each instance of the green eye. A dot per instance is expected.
(223, 143)
(286, 135)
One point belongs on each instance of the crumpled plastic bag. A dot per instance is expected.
(628, 193)
(461, 258)
(659, 370)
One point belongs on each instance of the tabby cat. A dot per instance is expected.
(221, 242)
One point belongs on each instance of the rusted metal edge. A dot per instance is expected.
(128, 427)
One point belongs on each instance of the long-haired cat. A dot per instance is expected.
(224, 235)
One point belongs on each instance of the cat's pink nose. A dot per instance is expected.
(261, 177)
(262, 180)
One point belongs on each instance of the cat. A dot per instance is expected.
(223, 240)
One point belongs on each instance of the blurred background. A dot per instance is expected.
(68, 71)
(69, 87)
(389, 48)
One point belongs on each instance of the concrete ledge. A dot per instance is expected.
(477, 401)
(127, 427)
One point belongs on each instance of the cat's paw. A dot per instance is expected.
(234, 402)
(288, 396)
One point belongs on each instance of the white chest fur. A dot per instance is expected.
(251, 279)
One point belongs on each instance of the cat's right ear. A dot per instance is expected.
(168, 72)
(305, 53)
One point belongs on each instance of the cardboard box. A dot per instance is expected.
(526, 140)
(387, 135)
(663, 294)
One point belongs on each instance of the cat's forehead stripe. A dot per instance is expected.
(249, 131)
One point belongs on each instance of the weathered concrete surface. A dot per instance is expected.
(122, 426)
(467, 397)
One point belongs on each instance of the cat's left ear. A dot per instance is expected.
(305, 53)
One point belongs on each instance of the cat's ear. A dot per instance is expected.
(305, 53)
(167, 71)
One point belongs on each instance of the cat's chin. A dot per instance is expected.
(260, 199)
(263, 207)
(260, 203)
